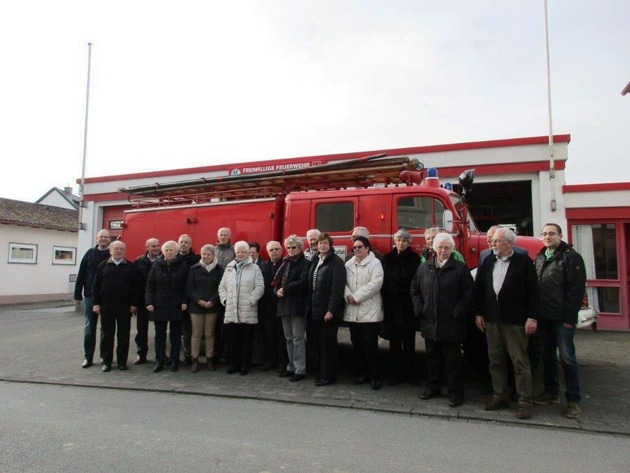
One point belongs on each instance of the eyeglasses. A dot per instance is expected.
(358, 247)
(444, 248)
(291, 247)
(275, 249)
(549, 234)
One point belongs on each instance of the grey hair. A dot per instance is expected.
(241, 245)
(313, 231)
(442, 238)
(360, 231)
(294, 239)
(506, 234)
(170, 243)
(404, 234)
(432, 231)
(208, 247)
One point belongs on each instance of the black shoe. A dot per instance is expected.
(286, 373)
(376, 385)
(244, 371)
(167, 362)
(297, 377)
(267, 366)
(361, 379)
(323, 382)
(456, 400)
(174, 367)
(395, 381)
(141, 360)
(187, 360)
(107, 368)
(429, 393)
(231, 370)
(122, 367)
(159, 365)
(86, 363)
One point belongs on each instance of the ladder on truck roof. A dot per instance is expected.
(362, 172)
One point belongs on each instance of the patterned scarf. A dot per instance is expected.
(280, 279)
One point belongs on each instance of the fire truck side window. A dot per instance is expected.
(334, 217)
(415, 213)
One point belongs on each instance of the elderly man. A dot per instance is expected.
(83, 291)
(187, 255)
(428, 252)
(562, 279)
(311, 238)
(488, 251)
(144, 263)
(506, 307)
(224, 248)
(115, 296)
(365, 233)
(273, 334)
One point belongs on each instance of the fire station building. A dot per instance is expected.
(516, 185)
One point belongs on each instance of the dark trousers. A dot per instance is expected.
(451, 353)
(175, 337)
(240, 338)
(142, 327)
(324, 339)
(402, 350)
(115, 322)
(186, 332)
(364, 337)
(275, 347)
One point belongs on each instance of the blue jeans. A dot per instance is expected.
(557, 338)
(89, 331)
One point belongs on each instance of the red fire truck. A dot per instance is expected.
(383, 194)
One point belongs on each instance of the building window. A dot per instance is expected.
(64, 255)
(334, 217)
(607, 299)
(22, 253)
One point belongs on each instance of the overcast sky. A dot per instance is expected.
(194, 83)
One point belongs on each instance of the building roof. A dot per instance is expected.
(66, 194)
(17, 212)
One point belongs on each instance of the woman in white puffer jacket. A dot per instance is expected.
(240, 289)
(364, 310)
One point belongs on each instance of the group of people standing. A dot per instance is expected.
(289, 308)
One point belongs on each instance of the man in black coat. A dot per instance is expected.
(275, 352)
(83, 291)
(144, 263)
(115, 295)
(562, 279)
(187, 255)
(507, 305)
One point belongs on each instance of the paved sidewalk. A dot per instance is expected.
(43, 343)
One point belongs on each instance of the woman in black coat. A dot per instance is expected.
(400, 266)
(325, 306)
(166, 299)
(442, 294)
(205, 306)
(290, 288)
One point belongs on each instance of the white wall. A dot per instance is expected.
(42, 278)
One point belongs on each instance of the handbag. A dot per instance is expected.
(587, 314)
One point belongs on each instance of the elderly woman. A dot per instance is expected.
(399, 268)
(364, 310)
(203, 293)
(239, 291)
(166, 299)
(442, 293)
(324, 307)
(290, 288)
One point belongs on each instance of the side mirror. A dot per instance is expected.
(447, 221)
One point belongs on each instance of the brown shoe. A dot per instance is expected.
(495, 403)
(211, 366)
(194, 367)
(524, 411)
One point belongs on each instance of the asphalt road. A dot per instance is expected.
(76, 429)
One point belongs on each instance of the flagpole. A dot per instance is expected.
(552, 163)
(83, 226)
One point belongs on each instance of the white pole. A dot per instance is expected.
(552, 164)
(83, 226)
